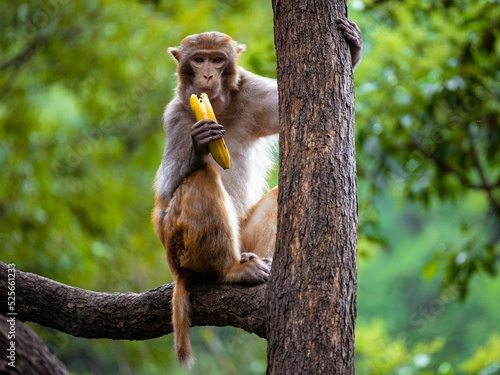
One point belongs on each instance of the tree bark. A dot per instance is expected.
(311, 296)
(130, 316)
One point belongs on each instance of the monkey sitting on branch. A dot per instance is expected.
(211, 220)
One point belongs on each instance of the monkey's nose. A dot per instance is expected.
(208, 77)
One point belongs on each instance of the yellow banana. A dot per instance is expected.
(196, 108)
(208, 107)
(202, 110)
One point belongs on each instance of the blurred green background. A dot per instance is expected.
(83, 85)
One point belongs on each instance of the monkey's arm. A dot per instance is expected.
(352, 35)
(186, 148)
(171, 172)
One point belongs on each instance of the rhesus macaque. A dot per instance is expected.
(210, 220)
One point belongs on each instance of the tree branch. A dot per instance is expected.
(445, 167)
(488, 187)
(25, 353)
(130, 316)
(26, 53)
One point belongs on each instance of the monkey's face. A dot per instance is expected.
(207, 62)
(208, 68)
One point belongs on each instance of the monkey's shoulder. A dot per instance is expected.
(255, 104)
(255, 94)
(251, 84)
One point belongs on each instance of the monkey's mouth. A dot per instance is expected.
(212, 94)
(207, 90)
(212, 89)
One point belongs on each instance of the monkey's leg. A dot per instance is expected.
(258, 229)
(202, 231)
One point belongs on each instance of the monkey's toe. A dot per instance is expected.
(245, 257)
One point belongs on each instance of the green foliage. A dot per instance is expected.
(83, 85)
(428, 116)
(486, 359)
(396, 286)
(77, 127)
(378, 354)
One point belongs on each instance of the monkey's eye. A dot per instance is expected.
(218, 60)
(198, 59)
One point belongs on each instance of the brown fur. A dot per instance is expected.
(258, 229)
(199, 230)
(181, 308)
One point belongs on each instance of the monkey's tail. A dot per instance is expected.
(181, 309)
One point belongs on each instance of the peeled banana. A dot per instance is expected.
(202, 110)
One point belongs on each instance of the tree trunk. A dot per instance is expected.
(311, 296)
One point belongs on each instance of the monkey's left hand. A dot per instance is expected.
(352, 35)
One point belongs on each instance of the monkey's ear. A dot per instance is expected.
(176, 53)
(240, 48)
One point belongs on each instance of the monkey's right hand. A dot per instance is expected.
(202, 133)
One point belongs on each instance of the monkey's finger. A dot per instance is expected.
(207, 131)
(347, 26)
(350, 33)
(268, 261)
(341, 22)
(349, 29)
(245, 257)
(262, 265)
(260, 269)
(345, 22)
(205, 128)
(206, 138)
(203, 123)
(259, 277)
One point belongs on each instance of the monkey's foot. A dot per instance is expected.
(245, 257)
(251, 270)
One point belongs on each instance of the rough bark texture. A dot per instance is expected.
(30, 355)
(130, 316)
(311, 306)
